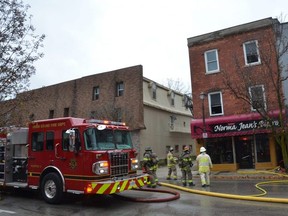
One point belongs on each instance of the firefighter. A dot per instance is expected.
(150, 165)
(171, 164)
(204, 165)
(185, 163)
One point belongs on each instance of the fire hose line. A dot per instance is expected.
(175, 196)
(255, 197)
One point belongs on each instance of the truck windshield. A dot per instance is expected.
(107, 139)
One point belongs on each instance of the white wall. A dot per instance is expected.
(159, 132)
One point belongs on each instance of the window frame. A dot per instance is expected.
(172, 99)
(245, 53)
(221, 103)
(37, 140)
(263, 97)
(50, 140)
(119, 114)
(154, 91)
(66, 112)
(120, 89)
(95, 93)
(51, 113)
(211, 61)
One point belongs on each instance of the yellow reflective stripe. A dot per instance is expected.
(93, 185)
(103, 188)
(141, 182)
(123, 185)
(114, 187)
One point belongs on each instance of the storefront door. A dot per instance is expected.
(244, 152)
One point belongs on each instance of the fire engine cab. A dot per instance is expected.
(71, 155)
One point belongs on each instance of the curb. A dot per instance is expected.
(162, 173)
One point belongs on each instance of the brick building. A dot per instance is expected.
(230, 128)
(155, 114)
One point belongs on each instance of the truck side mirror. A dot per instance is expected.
(72, 137)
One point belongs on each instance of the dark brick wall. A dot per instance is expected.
(77, 96)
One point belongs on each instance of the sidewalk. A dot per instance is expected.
(225, 175)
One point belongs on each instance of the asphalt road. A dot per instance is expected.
(29, 203)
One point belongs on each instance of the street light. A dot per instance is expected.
(204, 134)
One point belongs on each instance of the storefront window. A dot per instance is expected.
(262, 148)
(220, 150)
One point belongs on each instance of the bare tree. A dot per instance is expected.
(19, 50)
(262, 87)
(179, 86)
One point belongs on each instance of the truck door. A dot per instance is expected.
(54, 149)
(69, 158)
(37, 160)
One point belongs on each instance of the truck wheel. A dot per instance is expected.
(52, 188)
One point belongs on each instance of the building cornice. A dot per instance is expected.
(263, 23)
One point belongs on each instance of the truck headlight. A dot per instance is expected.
(134, 164)
(100, 167)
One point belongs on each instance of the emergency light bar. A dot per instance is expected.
(106, 122)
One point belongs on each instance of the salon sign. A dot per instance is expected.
(243, 126)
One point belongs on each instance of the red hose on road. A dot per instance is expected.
(176, 196)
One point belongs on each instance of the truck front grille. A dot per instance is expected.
(118, 163)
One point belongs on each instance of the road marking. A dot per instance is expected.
(9, 212)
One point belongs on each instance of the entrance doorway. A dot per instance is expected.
(244, 146)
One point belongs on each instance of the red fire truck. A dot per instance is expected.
(71, 155)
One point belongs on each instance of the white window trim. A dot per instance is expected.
(264, 97)
(96, 93)
(154, 91)
(245, 55)
(120, 88)
(172, 99)
(209, 101)
(206, 62)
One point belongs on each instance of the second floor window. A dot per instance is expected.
(51, 114)
(211, 61)
(215, 103)
(257, 95)
(120, 89)
(251, 53)
(66, 112)
(96, 92)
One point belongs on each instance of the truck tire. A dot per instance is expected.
(52, 188)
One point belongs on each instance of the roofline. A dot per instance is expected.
(145, 79)
(232, 30)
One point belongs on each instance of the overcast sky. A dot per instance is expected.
(85, 37)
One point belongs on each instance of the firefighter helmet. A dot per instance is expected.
(171, 149)
(148, 148)
(202, 149)
(186, 148)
